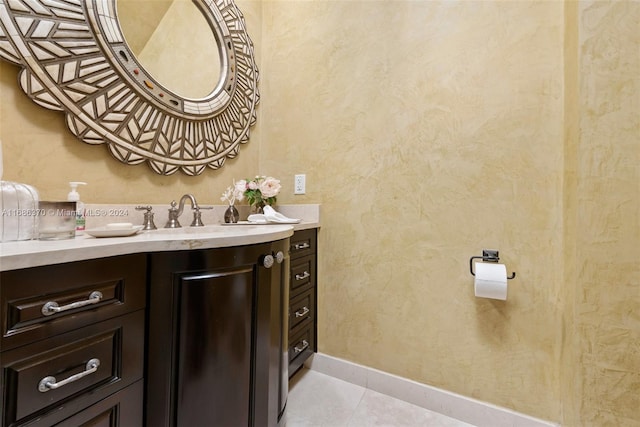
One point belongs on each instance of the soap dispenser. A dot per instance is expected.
(74, 196)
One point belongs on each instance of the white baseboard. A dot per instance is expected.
(453, 405)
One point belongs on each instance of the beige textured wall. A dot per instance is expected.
(607, 291)
(430, 130)
(569, 347)
(39, 150)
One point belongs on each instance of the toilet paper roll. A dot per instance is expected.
(491, 280)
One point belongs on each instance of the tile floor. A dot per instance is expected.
(317, 399)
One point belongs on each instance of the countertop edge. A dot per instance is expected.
(34, 253)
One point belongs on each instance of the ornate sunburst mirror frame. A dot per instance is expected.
(75, 59)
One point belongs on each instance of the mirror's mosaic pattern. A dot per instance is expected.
(75, 60)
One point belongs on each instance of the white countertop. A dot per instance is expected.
(33, 253)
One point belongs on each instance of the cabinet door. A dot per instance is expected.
(214, 347)
(271, 362)
(217, 337)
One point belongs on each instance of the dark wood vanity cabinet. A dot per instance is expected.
(71, 350)
(179, 338)
(217, 339)
(302, 298)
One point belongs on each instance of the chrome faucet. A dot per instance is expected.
(176, 210)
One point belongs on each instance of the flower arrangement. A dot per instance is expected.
(234, 193)
(260, 191)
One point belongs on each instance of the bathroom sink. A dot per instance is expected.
(212, 229)
(207, 229)
(217, 232)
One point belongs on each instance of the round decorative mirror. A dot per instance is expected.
(76, 60)
(164, 39)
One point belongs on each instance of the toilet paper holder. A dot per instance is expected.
(488, 255)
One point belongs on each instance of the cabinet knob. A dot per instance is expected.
(268, 261)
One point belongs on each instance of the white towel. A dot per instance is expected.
(270, 215)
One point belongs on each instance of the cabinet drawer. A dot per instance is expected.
(121, 409)
(303, 243)
(302, 345)
(89, 363)
(303, 272)
(302, 308)
(41, 302)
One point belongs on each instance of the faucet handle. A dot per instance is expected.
(197, 220)
(173, 216)
(148, 223)
(197, 215)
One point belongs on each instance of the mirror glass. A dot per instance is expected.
(163, 34)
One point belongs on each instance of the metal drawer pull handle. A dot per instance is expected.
(302, 276)
(52, 307)
(49, 383)
(299, 246)
(302, 312)
(305, 344)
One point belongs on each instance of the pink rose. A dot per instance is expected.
(270, 187)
